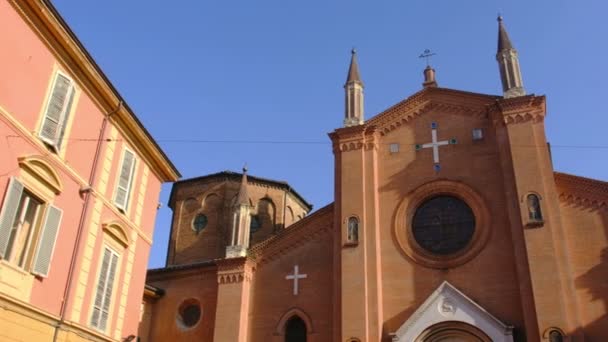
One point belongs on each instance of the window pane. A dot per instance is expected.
(27, 231)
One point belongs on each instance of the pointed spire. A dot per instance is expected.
(353, 111)
(243, 196)
(508, 64)
(353, 70)
(504, 43)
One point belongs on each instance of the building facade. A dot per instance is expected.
(448, 224)
(79, 184)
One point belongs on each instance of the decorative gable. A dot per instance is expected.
(431, 99)
(448, 304)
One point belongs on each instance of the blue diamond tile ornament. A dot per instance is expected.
(418, 147)
(433, 125)
(453, 141)
(437, 167)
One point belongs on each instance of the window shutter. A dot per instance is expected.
(59, 102)
(125, 179)
(9, 211)
(107, 299)
(105, 286)
(46, 245)
(101, 285)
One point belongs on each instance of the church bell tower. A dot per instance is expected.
(508, 64)
(353, 112)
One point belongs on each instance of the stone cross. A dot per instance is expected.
(434, 144)
(295, 277)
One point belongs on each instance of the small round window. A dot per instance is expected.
(189, 313)
(199, 223)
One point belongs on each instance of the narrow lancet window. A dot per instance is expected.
(352, 233)
(534, 212)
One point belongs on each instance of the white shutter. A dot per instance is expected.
(46, 244)
(60, 101)
(10, 207)
(123, 189)
(105, 286)
(101, 285)
(107, 298)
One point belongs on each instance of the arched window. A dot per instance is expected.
(295, 330)
(556, 336)
(352, 230)
(534, 212)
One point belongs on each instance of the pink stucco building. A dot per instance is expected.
(79, 184)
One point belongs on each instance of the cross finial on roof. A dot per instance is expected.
(427, 54)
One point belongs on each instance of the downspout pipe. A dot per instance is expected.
(83, 217)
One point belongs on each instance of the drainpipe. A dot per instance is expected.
(83, 216)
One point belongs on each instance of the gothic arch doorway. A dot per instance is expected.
(453, 331)
(295, 330)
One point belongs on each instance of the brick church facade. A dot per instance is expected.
(448, 224)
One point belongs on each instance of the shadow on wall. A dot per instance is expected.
(595, 282)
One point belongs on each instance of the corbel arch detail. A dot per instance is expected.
(280, 328)
(117, 232)
(42, 171)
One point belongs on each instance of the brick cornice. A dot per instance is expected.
(580, 191)
(518, 110)
(312, 227)
(234, 270)
(431, 99)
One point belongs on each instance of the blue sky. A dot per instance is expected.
(273, 71)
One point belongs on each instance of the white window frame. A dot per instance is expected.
(129, 189)
(34, 239)
(65, 114)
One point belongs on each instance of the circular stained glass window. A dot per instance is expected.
(189, 313)
(443, 225)
(255, 224)
(199, 223)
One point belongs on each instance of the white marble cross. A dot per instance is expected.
(434, 144)
(295, 277)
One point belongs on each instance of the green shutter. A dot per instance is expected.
(59, 102)
(10, 206)
(123, 190)
(46, 244)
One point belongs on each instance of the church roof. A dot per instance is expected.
(238, 177)
(504, 43)
(582, 190)
(296, 234)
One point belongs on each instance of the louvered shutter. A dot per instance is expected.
(107, 298)
(46, 244)
(56, 111)
(125, 179)
(101, 285)
(10, 206)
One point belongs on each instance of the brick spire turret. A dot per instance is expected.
(241, 222)
(508, 64)
(353, 112)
